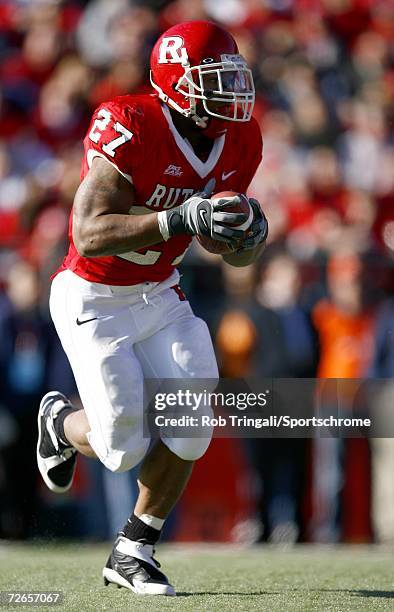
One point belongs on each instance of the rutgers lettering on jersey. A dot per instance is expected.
(137, 136)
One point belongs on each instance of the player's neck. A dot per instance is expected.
(188, 130)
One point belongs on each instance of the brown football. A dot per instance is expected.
(217, 246)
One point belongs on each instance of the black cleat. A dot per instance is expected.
(56, 461)
(131, 565)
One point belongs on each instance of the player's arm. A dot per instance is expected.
(101, 221)
(102, 225)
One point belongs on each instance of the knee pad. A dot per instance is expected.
(126, 456)
(188, 449)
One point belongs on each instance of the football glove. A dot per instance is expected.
(258, 231)
(200, 216)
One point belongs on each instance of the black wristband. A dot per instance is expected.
(175, 223)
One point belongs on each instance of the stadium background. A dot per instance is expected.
(318, 305)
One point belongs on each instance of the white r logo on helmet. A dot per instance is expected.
(172, 51)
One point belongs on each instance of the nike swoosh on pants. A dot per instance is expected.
(78, 322)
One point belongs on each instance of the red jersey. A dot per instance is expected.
(136, 134)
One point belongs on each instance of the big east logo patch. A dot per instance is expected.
(172, 51)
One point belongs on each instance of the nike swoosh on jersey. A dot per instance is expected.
(225, 175)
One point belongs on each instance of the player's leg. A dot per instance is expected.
(162, 479)
(182, 349)
(131, 563)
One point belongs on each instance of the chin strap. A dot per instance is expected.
(201, 122)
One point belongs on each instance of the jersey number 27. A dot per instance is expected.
(100, 124)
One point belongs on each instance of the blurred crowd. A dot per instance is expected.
(319, 304)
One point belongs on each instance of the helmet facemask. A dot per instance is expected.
(225, 88)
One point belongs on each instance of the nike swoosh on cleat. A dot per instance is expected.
(78, 322)
(225, 175)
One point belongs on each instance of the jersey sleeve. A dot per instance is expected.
(254, 148)
(116, 133)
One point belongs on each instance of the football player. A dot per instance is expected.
(150, 165)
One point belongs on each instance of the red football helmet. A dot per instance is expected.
(199, 61)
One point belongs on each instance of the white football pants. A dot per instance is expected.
(114, 337)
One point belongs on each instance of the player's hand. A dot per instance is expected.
(258, 232)
(200, 216)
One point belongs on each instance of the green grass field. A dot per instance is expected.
(212, 578)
